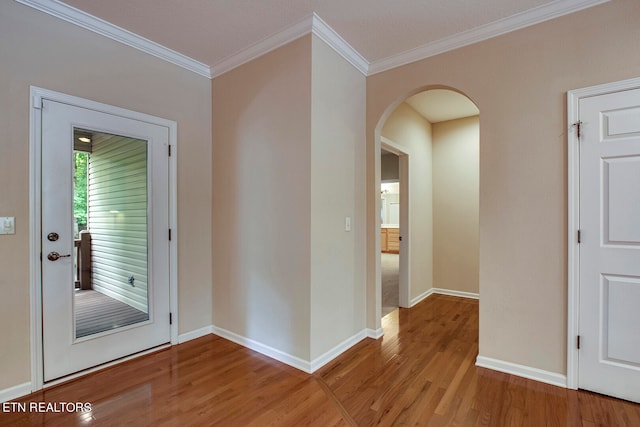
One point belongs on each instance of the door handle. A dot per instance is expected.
(54, 256)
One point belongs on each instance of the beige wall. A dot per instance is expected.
(261, 199)
(36, 49)
(337, 191)
(408, 129)
(455, 204)
(519, 82)
(287, 130)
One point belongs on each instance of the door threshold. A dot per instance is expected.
(85, 372)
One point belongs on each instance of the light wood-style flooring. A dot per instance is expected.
(421, 372)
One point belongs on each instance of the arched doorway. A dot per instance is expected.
(435, 132)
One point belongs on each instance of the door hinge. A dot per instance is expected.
(169, 150)
(578, 126)
(579, 236)
(169, 234)
(170, 318)
(38, 102)
(578, 342)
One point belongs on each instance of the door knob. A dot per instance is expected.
(54, 256)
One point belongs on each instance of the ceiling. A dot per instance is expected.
(440, 105)
(213, 31)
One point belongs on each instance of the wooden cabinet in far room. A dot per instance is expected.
(390, 240)
(383, 239)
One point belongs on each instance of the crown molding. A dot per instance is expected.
(104, 28)
(315, 25)
(521, 20)
(263, 47)
(328, 35)
(312, 24)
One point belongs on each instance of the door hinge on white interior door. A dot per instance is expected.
(578, 125)
(578, 342)
(171, 318)
(169, 234)
(169, 150)
(38, 102)
(579, 236)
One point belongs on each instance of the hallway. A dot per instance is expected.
(390, 266)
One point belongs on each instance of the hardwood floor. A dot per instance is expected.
(421, 372)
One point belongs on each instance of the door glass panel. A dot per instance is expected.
(110, 209)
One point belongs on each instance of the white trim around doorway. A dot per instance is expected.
(573, 205)
(35, 135)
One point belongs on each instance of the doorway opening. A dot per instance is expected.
(390, 230)
(438, 131)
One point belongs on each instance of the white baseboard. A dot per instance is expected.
(271, 352)
(15, 392)
(454, 293)
(288, 359)
(192, 335)
(420, 298)
(374, 333)
(345, 345)
(442, 291)
(522, 371)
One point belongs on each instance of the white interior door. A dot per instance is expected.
(123, 307)
(609, 313)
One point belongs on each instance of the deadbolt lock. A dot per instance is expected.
(52, 237)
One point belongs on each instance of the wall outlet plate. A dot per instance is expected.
(7, 225)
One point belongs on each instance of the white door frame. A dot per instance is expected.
(573, 182)
(35, 210)
(404, 283)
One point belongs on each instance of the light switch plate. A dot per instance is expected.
(7, 225)
(347, 223)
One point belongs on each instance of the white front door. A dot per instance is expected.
(107, 175)
(609, 313)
